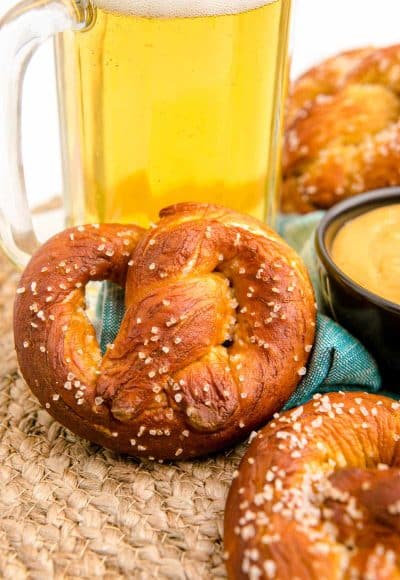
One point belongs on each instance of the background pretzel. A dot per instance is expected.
(218, 328)
(318, 494)
(343, 129)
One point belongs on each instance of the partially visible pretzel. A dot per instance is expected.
(218, 328)
(343, 129)
(323, 79)
(317, 495)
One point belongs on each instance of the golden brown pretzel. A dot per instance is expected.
(317, 495)
(323, 79)
(219, 322)
(343, 129)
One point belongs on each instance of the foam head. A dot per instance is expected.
(179, 8)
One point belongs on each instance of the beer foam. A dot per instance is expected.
(179, 8)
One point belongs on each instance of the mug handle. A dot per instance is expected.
(22, 30)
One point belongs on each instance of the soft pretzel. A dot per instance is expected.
(343, 129)
(325, 78)
(317, 494)
(218, 327)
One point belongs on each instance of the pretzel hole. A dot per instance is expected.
(92, 297)
(232, 323)
(105, 309)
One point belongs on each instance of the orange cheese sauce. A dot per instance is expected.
(367, 249)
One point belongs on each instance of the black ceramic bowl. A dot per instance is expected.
(372, 319)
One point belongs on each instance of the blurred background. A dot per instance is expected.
(320, 28)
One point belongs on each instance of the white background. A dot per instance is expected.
(321, 28)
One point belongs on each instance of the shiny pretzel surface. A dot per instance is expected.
(343, 129)
(317, 494)
(219, 323)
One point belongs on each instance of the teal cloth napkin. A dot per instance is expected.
(298, 231)
(338, 361)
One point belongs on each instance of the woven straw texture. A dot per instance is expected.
(71, 510)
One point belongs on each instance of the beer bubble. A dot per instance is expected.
(179, 8)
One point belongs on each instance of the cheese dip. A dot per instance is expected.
(367, 249)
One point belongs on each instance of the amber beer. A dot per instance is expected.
(177, 101)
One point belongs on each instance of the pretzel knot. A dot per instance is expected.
(218, 327)
(343, 129)
(317, 494)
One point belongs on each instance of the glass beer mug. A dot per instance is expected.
(160, 101)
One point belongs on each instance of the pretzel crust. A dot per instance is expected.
(219, 322)
(317, 494)
(343, 129)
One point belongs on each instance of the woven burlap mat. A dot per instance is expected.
(71, 510)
